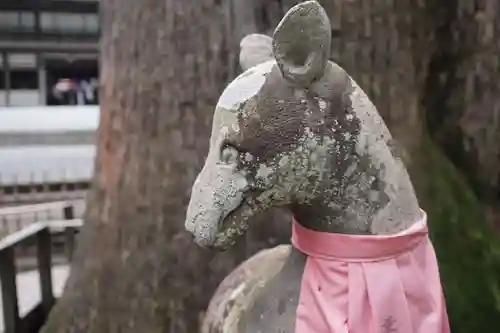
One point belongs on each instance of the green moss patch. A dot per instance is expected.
(468, 249)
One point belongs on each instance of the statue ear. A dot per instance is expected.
(255, 49)
(301, 43)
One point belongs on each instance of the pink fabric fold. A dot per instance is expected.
(370, 284)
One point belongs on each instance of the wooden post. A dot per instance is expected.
(69, 214)
(70, 242)
(18, 218)
(42, 80)
(44, 256)
(6, 73)
(15, 187)
(9, 291)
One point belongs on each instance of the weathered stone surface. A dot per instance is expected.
(297, 132)
(391, 48)
(300, 133)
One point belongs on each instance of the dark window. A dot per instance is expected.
(23, 79)
(17, 21)
(27, 21)
(69, 23)
(91, 22)
(47, 22)
(9, 19)
(2, 79)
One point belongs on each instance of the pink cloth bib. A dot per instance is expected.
(370, 284)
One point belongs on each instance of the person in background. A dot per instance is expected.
(94, 83)
(65, 92)
(85, 93)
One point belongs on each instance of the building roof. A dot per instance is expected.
(36, 155)
(46, 164)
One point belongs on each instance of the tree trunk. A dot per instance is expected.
(466, 119)
(163, 66)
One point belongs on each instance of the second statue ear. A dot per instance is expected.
(301, 43)
(254, 50)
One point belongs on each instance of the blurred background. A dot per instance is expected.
(48, 58)
(49, 113)
(49, 52)
(431, 67)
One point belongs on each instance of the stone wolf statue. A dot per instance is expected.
(295, 130)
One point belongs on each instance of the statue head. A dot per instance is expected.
(293, 130)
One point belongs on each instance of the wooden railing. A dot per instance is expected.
(15, 218)
(42, 192)
(38, 234)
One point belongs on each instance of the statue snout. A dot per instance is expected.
(217, 191)
(203, 226)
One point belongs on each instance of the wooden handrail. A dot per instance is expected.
(13, 216)
(23, 235)
(41, 231)
(64, 224)
(35, 207)
(45, 183)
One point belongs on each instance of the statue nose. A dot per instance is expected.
(204, 235)
(203, 226)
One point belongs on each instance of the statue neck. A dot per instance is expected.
(360, 210)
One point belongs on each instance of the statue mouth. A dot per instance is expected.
(213, 229)
(231, 226)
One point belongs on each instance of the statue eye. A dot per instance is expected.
(229, 154)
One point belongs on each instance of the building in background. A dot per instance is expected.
(48, 52)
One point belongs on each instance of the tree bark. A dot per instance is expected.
(163, 66)
(466, 111)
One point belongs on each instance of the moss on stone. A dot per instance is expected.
(468, 250)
